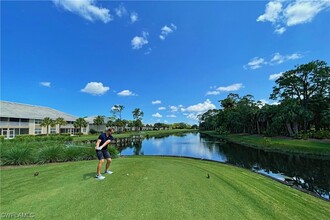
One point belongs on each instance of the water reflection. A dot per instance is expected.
(304, 172)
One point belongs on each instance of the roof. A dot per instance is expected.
(90, 119)
(18, 110)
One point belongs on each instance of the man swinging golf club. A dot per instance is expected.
(102, 152)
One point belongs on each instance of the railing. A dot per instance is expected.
(13, 124)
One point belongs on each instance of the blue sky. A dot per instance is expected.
(173, 60)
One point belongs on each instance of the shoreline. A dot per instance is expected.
(277, 144)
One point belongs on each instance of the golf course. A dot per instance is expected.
(151, 188)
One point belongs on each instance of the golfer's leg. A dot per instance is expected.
(99, 166)
(108, 164)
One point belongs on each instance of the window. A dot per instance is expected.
(53, 130)
(11, 133)
(14, 119)
(37, 121)
(24, 131)
(24, 120)
(3, 119)
(37, 131)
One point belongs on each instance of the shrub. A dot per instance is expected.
(51, 154)
(113, 152)
(73, 154)
(88, 153)
(17, 156)
(93, 131)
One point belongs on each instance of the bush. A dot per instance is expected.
(88, 153)
(17, 156)
(2, 138)
(73, 154)
(93, 131)
(113, 152)
(52, 137)
(319, 134)
(51, 154)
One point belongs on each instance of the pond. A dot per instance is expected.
(301, 171)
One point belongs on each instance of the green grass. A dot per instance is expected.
(282, 144)
(153, 188)
(129, 134)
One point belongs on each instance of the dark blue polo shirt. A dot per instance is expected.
(103, 137)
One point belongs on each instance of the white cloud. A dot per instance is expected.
(126, 93)
(233, 87)
(138, 41)
(300, 12)
(283, 14)
(256, 63)
(86, 9)
(280, 30)
(148, 51)
(275, 76)
(121, 11)
(201, 107)
(166, 30)
(95, 88)
(272, 12)
(213, 93)
(278, 58)
(45, 84)
(193, 116)
(171, 116)
(174, 108)
(157, 115)
(156, 102)
(263, 102)
(134, 17)
(161, 108)
(230, 88)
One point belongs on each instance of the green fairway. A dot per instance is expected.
(152, 188)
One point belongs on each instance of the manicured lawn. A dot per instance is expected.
(153, 188)
(283, 144)
(129, 134)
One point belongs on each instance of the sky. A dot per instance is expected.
(173, 60)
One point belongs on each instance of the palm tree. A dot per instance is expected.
(80, 123)
(117, 109)
(46, 122)
(60, 122)
(99, 120)
(138, 115)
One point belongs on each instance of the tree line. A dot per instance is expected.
(114, 121)
(302, 109)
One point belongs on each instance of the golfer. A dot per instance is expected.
(103, 153)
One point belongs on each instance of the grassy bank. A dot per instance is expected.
(129, 134)
(281, 144)
(153, 188)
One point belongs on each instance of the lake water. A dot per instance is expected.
(303, 172)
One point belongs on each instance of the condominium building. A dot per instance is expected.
(18, 119)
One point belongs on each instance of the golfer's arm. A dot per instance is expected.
(98, 142)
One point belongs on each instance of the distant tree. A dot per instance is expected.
(194, 126)
(46, 122)
(302, 83)
(80, 123)
(99, 120)
(60, 122)
(117, 109)
(138, 115)
(111, 121)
